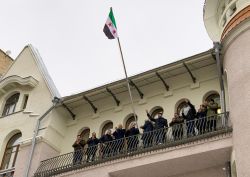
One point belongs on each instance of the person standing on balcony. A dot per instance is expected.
(107, 143)
(132, 137)
(201, 119)
(211, 114)
(92, 147)
(78, 150)
(119, 135)
(177, 126)
(189, 114)
(160, 127)
(147, 136)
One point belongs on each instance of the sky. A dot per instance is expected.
(68, 35)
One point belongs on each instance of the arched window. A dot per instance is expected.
(85, 134)
(108, 125)
(10, 104)
(129, 120)
(216, 97)
(154, 112)
(180, 105)
(11, 152)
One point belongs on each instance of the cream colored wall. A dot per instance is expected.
(39, 101)
(155, 95)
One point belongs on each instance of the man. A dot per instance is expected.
(78, 150)
(176, 124)
(147, 136)
(211, 114)
(107, 143)
(189, 114)
(160, 124)
(92, 147)
(119, 136)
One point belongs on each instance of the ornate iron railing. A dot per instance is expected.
(179, 133)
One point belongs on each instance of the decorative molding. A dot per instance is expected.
(195, 85)
(118, 108)
(26, 81)
(168, 94)
(142, 101)
(95, 115)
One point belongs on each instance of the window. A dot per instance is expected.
(11, 152)
(85, 134)
(10, 104)
(180, 107)
(106, 127)
(155, 111)
(25, 100)
(129, 120)
(216, 97)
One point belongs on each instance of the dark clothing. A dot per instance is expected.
(132, 138)
(92, 148)
(78, 151)
(201, 121)
(119, 135)
(147, 136)
(190, 119)
(106, 147)
(160, 122)
(177, 128)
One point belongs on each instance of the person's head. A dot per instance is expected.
(108, 132)
(159, 114)
(120, 126)
(94, 135)
(132, 124)
(202, 107)
(78, 137)
(176, 115)
(211, 100)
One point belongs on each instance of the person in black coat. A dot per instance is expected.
(201, 119)
(160, 126)
(92, 147)
(119, 135)
(78, 150)
(189, 114)
(176, 124)
(147, 136)
(132, 137)
(107, 142)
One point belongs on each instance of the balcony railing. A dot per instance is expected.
(7, 173)
(177, 134)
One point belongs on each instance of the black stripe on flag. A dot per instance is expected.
(108, 32)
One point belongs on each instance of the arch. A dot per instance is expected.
(128, 119)
(108, 124)
(155, 110)
(10, 103)
(179, 105)
(84, 133)
(11, 150)
(212, 94)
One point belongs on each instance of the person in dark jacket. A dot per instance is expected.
(119, 135)
(147, 136)
(92, 147)
(212, 107)
(160, 127)
(107, 142)
(189, 114)
(201, 119)
(132, 137)
(177, 126)
(78, 150)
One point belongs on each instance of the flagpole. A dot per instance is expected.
(125, 71)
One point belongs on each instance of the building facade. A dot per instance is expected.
(38, 127)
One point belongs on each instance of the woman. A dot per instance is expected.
(132, 137)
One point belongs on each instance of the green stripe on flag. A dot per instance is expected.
(112, 18)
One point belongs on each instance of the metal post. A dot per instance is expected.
(124, 67)
(55, 102)
(217, 47)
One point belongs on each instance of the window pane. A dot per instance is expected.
(10, 104)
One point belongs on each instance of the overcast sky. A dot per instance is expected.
(77, 54)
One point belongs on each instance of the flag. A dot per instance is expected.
(110, 29)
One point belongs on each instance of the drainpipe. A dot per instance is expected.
(217, 48)
(55, 102)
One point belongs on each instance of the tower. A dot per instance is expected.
(228, 22)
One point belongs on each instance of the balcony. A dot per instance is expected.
(7, 173)
(175, 135)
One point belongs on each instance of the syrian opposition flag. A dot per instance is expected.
(110, 29)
